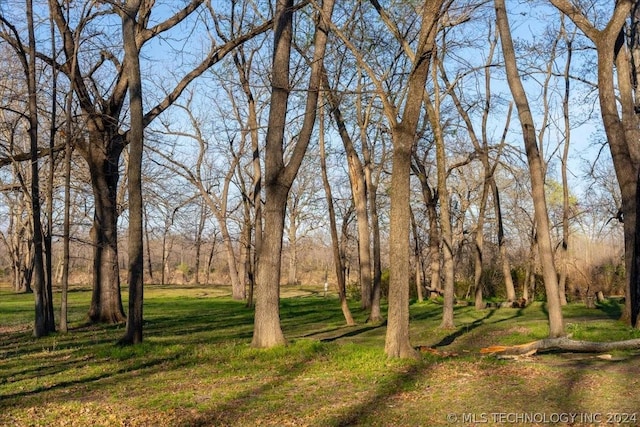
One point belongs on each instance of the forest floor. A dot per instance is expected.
(196, 367)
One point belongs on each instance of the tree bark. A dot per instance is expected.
(106, 302)
(564, 251)
(371, 185)
(359, 191)
(502, 247)
(431, 203)
(563, 344)
(293, 212)
(267, 331)
(445, 217)
(48, 231)
(417, 258)
(279, 177)
(44, 322)
(254, 198)
(375, 315)
(536, 170)
(135, 139)
(199, 230)
(622, 132)
(397, 342)
(335, 241)
(66, 232)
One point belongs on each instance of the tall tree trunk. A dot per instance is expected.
(135, 137)
(630, 121)
(502, 247)
(431, 203)
(48, 232)
(335, 241)
(237, 287)
(246, 234)
(622, 131)
(397, 342)
(536, 169)
(564, 251)
(479, 247)
(445, 217)
(44, 323)
(278, 176)
(359, 191)
(434, 242)
(375, 314)
(249, 249)
(243, 65)
(267, 331)
(66, 232)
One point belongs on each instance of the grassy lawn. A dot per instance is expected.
(196, 368)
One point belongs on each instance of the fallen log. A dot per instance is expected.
(561, 344)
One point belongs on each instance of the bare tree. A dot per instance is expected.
(359, 192)
(199, 174)
(18, 235)
(536, 170)
(252, 199)
(303, 216)
(397, 342)
(26, 55)
(131, 13)
(338, 259)
(106, 140)
(621, 124)
(433, 113)
(430, 199)
(279, 176)
(481, 145)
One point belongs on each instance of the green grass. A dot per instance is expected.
(196, 366)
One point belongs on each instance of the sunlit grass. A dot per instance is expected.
(196, 365)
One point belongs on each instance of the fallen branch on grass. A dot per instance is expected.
(562, 344)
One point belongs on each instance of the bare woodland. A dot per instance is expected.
(482, 151)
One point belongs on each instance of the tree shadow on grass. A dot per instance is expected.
(354, 331)
(483, 321)
(354, 415)
(574, 384)
(236, 408)
(611, 308)
(102, 378)
(449, 339)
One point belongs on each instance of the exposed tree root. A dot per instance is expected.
(561, 344)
